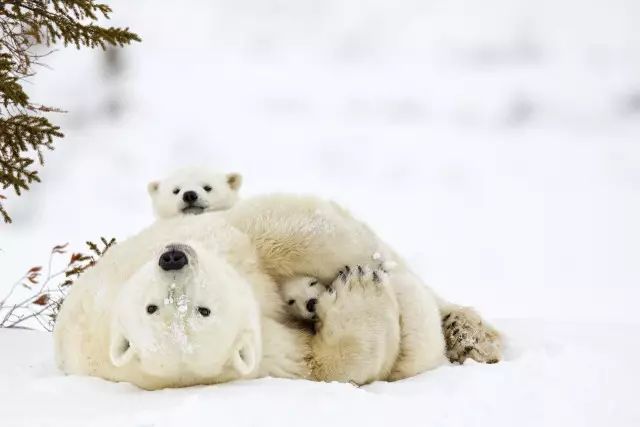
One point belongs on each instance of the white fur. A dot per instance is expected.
(371, 327)
(175, 346)
(298, 236)
(358, 331)
(215, 191)
(297, 292)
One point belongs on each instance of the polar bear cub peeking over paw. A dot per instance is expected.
(301, 293)
(194, 191)
(301, 296)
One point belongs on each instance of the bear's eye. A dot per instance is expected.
(204, 311)
(152, 308)
(207, 188)
(315, 282)
(176, 190)
(291, 301)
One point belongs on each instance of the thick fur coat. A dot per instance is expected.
(374, 325)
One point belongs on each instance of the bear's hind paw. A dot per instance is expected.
(467, 336)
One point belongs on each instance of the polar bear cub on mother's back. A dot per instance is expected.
(194, 191)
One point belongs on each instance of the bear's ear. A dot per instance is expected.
(120, 351)
(245, 357)
(234, 180)
(152, 187)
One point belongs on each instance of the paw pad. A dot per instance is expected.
(467, 337)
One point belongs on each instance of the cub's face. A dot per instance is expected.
(194, 192)
(300, 295)
(186, 314)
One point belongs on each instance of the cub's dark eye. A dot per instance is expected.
(207, 188)
(204, 311)
(176, 190)
(291, 301)
(315, 282)
(152, 308)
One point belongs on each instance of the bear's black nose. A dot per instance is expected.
(173, 259)
(311, 305)
(190, 197)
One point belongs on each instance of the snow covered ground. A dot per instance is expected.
(494, 143)
(554, 374)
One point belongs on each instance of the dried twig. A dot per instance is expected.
(43, 303)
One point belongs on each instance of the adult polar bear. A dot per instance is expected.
(193, 300)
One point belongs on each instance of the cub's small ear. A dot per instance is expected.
(152, 187)
(245, 355)
(234, 180)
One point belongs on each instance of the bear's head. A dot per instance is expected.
(186, 317)
(194, 191)
(301, 295)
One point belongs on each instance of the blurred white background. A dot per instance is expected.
(494, 143)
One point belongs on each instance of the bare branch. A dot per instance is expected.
(50, 293)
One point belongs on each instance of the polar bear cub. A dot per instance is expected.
(301, 295)
(194, 191)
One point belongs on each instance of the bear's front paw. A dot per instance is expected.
(355, 286)
(466, 335)
(360, 282)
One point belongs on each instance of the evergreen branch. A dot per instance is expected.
(64, 20)
(24, 133)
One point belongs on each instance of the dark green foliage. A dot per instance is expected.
(26, 26)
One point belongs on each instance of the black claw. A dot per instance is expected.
(376, 277)
(347, 269)
(360, 270)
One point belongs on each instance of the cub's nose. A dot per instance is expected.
(190, 196)
(173, 259)
(311, 305)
